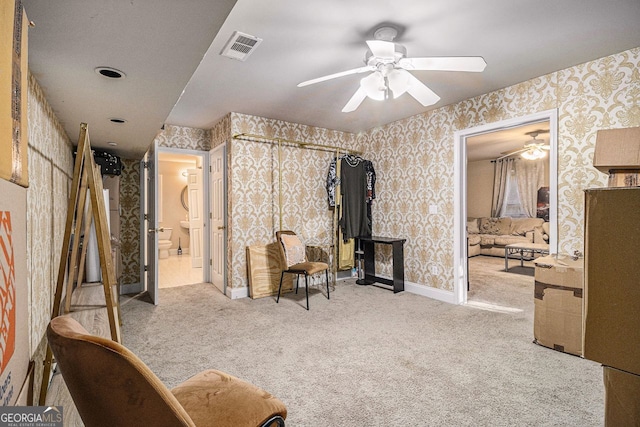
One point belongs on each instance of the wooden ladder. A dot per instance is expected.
(86, 181)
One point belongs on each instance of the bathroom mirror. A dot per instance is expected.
(183, 198)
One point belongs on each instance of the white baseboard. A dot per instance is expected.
(428, 291)
(235, 293)
(414, 288)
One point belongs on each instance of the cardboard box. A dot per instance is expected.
(622, 402)
(617, 149)
(557, 320)
(612, 278)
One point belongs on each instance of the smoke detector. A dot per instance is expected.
(240, 46)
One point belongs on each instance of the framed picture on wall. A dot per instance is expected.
(543, 203)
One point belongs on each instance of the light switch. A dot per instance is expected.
(433, 209)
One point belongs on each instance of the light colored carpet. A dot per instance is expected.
(368, 357)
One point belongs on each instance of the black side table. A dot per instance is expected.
(368, 246)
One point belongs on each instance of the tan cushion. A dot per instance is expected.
(487, 239)
(474, 239)
(472, 227)
(539, 234)
(308, 267)
(495, 225)
(294, 250)
(545, 228)
(520, 226)
(236, 403)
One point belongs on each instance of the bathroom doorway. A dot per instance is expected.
(180, 218)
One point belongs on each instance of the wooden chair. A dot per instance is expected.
(110, 386)
(294, 260)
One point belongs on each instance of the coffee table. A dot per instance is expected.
(529, 248)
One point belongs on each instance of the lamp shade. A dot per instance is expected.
(533, 154)
(398, 81)
(374, 86)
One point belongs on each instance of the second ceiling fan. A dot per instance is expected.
(389, 66)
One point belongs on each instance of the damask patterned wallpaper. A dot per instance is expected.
(51, 171)
(414, 157)
(184, 137)
(254, 189)
(130, 221)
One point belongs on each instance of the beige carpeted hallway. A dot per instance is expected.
(367, 357)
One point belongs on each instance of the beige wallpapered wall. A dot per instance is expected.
(414, 157)
(185, 138)
(130, 221)
(50, 173)
(253, 206)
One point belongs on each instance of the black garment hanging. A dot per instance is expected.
(353, 183)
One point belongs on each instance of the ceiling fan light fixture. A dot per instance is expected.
(374, 86)
(533, 154)
(398, 82)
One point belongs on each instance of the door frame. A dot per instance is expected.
(460, 262)
(204, 155)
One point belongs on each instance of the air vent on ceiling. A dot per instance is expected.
(240, 46)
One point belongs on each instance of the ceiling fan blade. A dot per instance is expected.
(355, 100)
(336, 75)
(515, 151)
(474, 64)
(382, 49)
(420, 92)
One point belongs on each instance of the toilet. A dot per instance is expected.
(164, 242)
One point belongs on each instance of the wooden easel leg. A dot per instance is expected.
(86, 178)
(75, 267)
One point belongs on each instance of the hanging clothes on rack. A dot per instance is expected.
(354, 221)
(333, 180)
(357, 191)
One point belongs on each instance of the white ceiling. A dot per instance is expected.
(175, 74)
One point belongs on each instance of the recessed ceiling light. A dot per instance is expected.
(111, 143)
(110, 73)
(117, 120)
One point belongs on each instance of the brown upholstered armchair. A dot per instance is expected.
(293, 260)
(112, 387)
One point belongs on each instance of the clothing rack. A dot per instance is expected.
(280, 141)
(302, 144)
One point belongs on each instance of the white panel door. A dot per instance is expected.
(218, 203)
(196, 216)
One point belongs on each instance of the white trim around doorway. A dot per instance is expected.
(460, 190)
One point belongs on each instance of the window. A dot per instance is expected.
(512, 206)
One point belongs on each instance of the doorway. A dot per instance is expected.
(153, 220)
(180, 213)
(465, 152)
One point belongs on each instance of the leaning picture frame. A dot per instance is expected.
(13, 93)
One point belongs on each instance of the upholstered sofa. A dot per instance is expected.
(489, 236)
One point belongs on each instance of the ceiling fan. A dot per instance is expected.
(389, 66)
(533, 149)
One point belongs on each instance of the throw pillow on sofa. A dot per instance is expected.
(520, 226)
(497, 226)
(472, 227)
